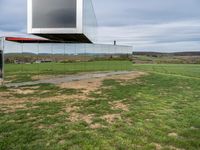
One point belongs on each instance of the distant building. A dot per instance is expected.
(43, 61)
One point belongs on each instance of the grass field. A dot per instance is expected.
(159, 110)
(182, 70)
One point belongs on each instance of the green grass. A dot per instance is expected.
(3, 89)
(164, 111)
(172, 69)
(25, 72)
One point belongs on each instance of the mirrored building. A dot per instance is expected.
(71, 21)
(1, 58)
(69, 34)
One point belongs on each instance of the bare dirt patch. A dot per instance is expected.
(12, 100)
(175, 148)
(12, 103)
(120, 106)
(111, 118)
(13, 108)
(71, 108)
(160, 147)
(3, 95)
(157, 146)
(93, 84)
(34, 87)
(61, 142)
(42, 77)
(44, 127)
(96, 126)
(75, 117)
(63, 98)
(86, 86)
(41, 127)
(23, 91)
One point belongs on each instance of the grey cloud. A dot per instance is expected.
(184, 35)
(13, 15)
(159, 25)
(129, 12)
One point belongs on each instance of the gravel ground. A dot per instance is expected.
(69, 78)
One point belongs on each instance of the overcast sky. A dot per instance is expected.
(147, 25)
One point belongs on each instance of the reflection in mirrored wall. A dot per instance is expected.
(30, 62)
(1, 64)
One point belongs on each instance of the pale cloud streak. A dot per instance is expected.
(168, 37)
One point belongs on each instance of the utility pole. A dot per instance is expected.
(115, 42)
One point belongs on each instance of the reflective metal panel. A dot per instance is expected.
(1, 64)
(54, 14)
(89, 21)
(71, 21)
(1, 58)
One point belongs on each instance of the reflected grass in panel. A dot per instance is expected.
(25, 72)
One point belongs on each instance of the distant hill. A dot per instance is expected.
(167, 54)
(187, 54)
(166, 58)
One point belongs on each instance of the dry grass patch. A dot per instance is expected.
(76, 117)
(13, 103)
(90, 85)
(15, 107)
(4, 95)
(120, 106)
(157, 146)
(61, 142)
(86, 86)
(22, 91)
(193, 128)
(64, 98)
(173, 134)
(174, 148)
(44, 127)
(112, 118)
(160, 147)
(96, 126)
(42, 77)
(71, 108)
